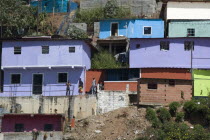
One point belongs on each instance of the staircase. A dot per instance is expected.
(62, 30)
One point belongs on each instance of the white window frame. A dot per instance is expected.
(145, 27)
(72, 47)
(18, 47)
(58, 77)
(117, 28)
(11, 79)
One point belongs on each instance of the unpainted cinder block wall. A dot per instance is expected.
(164, 92)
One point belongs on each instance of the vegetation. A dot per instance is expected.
(163, 115)
(75, 33)
(173, 108)
(104, 60)
(18, 19)
(111, 10)
(164, 128)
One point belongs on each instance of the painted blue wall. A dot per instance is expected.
(32, 61)
(59, 5)
(135, 28)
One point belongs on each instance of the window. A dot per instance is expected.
(137, 46)
(114, 29)
(164, 45)
(17, 50)
(45, 49)
(147, 30)
(190, 32)
(152, 86)
(171, 82)
(15, 78)
(62, 77)
(72, 49)
(48, 127)
(188, 45)
(19, 127)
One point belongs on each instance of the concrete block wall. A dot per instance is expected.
(165, 93)
(111, 100)
(28, 136)
(52, 105)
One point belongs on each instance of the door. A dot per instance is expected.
(114, 29)
(37, 83)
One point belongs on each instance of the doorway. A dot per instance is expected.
(114, 29)
(37, 83)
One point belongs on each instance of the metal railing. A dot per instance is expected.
(44, 90)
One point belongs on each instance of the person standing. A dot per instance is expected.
(68, 84)
(93, 88)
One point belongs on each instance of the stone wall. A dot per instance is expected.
(28, 136)
(81, 105)
(111, 100)
(137, 7)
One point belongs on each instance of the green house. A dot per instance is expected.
(189, 28)
(201, 82)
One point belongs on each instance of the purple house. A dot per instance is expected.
(43, 66)
(170, 53)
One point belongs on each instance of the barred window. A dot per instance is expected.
(188, 45)
(48, 127)
(190, 32)
(171, 82)
(152, 86)
(147, 30)
(71, 49)
(45, 49)
(17, 50)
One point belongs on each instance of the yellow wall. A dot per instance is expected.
(201, 82)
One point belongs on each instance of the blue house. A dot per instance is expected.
(132, 28)
(43, 66)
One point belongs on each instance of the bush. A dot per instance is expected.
(150, 114)
(163, 115)
(190, 107)
(156, 123)
(75, 33)
(199, 133)
(104, 60)
(203, 109)
(179, 117)
(173, 108)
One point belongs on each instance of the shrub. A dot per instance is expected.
(104, 60)
(179, 117)
(156, 123)
(75, 33)
(203, 109)
(150, 114)
(190, 107)
(173, 108)
(163, 114)
(199, 133)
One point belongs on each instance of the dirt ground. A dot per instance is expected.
(122, 124)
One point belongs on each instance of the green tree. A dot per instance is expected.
(111, 9)
(75, 33)
(15, 16)
(104, 60)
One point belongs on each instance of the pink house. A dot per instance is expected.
(28, 122)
